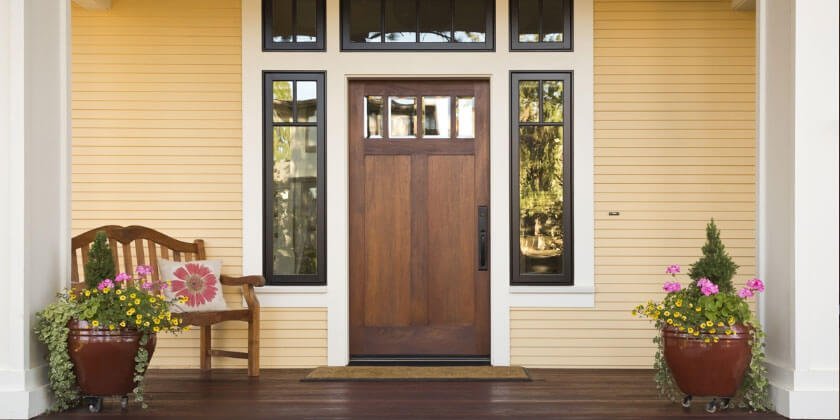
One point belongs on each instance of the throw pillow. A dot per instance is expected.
(197, 280)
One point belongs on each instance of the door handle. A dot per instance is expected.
(482, 238)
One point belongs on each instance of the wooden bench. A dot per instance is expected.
(148, 246)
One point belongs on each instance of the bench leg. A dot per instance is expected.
(254, 344)
(205, 347)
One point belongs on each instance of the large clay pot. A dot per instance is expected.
(104, 360)
(708, 369)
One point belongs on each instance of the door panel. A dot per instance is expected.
(415, 287)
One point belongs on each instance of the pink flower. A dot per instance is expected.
(196, 282)
(707, 287)
(755, 285)
(671, 286)
(122, 277)
(147, 285)
(673, 269)
(143, 270)
(105, 283)
(745, 293)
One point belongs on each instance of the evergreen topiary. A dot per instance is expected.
(100, 264)
(715, 264)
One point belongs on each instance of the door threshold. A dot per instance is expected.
(419, 361)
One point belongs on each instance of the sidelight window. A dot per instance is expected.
(541, 25)
(417, 25)
(293, 25)
(294, 212)
(541, 174)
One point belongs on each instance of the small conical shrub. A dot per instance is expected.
(715, 264)
(100, 264)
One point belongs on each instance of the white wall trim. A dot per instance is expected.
(552, 297)
(293, 296)
(340, 66)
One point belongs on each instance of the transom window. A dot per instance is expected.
(417, 24)
(419, 117)
(293, 25)
(541, 174)
(541, 25)
(294, 211)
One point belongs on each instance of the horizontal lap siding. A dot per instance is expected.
(157, 141)
(674, 146)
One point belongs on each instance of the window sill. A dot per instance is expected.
(292, 296)
(552, 297)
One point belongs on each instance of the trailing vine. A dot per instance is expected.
(51, 329)
(142, 362)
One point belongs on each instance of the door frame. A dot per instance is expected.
(413, 359)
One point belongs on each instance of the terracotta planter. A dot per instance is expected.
(104, 360)
(708, 369)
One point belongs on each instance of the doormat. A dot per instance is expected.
(418, 374)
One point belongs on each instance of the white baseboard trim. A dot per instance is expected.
(24, 404)
(805, 403)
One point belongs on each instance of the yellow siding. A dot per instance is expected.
(674, 146)
(157, 141)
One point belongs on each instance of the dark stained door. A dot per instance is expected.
(419, 251)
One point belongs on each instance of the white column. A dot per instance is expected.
(798, 202)
(34, 190)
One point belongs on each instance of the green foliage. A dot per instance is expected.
(51, 329)
(142, 362)
(662, 374)
(715, 264)
(755, 391)
(100, 264)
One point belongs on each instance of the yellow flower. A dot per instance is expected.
(690, 330)
(678, 303)
(122, 298)
(731, 320)
(87, 292)
(111, 327)
(152, 300)
(95, 323)
(706, 340)
(696, 333)
(720, 324)
(157, 321)
(139, 316)
(187, 328)
(136, 301)
(156, 329)
(684, 318)
(716, 339)
(137, 322)
(122, 323)
(712, 331)
(133, 295)
(119, 292)
(146, 324)
(106, 290)
(676, 314)
(660, 306)
(682, 328)
(729, 332)
(130, 312)
(698, 309)
(690, 305)
(670, 321)
(667, 313)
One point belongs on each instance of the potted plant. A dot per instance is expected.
(710, 342)
(101, 335)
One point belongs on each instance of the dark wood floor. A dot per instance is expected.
(280, 394)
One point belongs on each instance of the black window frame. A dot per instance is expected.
(269, 77)
(268, 43)
(568, 30)
(532, 279)
(489, 44)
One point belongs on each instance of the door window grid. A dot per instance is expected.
(429, 117)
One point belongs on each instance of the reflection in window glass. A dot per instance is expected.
(465, 117)
(281, 21)
(307, 101)
(435, 21)
(282, 100)
(529, 101)
(436, 116)
(306, 21)
(403, 118)
(553, 20)
(373, 121)
(400, 21)
(295, 233)
(541, 199)
(365, 23)
(469, 20)
(552, 91)
(529, 20)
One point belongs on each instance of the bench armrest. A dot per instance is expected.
(256, 281)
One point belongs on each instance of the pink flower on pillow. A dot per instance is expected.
(196, 282)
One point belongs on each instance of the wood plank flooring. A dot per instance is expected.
(570, 394)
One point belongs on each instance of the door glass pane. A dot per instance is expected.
(436, 116)
(306, 20)
(281, 21)
(529, 20)
(541, 199)
(365, 23)
(552, 15)
(400, 21)
(373, 121)
(307, 101)
(403, 118)
(435, 21)
(295, 246)
(282, 101)
(465, 117)
(529, 101)
(552, 101)
(469, 20)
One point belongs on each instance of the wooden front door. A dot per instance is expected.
(419, 227)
